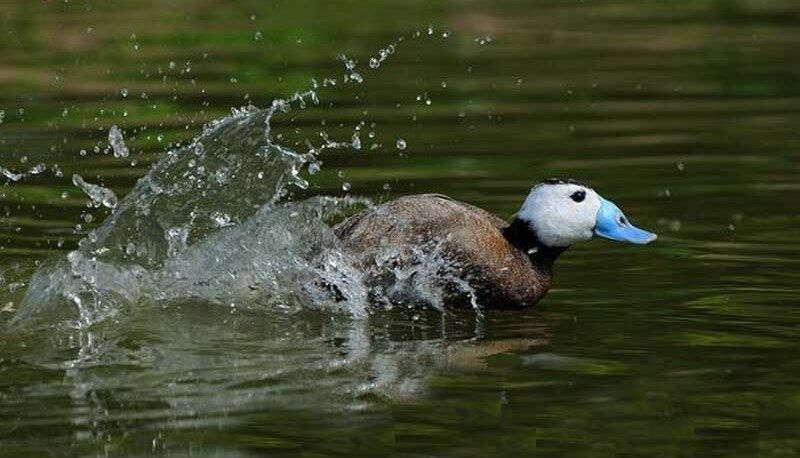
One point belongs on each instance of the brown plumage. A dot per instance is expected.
(502, 262)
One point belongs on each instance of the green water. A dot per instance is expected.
(686, 113)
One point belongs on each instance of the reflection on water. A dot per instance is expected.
(686, 111)
(219, 368)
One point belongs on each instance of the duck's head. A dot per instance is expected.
(559, 213)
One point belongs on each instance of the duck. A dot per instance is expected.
(506, 264)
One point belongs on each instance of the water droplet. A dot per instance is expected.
(124, 92)
(117, 142)
(258, 36)
(37, 169)
(401, 144)
(346, 186)
(221, 219)
(98, 194)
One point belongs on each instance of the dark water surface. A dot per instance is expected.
(687, 113)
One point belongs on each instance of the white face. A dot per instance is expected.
(561, 214)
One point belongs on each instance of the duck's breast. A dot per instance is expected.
(468, 238)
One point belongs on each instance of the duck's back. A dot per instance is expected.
(467, 238)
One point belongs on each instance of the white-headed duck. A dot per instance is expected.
(506, 264)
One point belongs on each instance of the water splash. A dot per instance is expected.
(423, 274)
(212, 222)
(184, 207)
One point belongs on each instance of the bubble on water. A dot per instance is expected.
(98, 194)
(124, 92)
(680, 166)
(2, 115)
(483, 40)
(117, 142)
(314, 168)
(258, 36)
(346, 186)
(401, 144)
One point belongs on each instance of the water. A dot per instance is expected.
(685, 114)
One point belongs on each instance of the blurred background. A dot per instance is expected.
(685, 112)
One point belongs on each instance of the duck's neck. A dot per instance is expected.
(520, 234)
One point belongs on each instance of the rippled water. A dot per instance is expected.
(685, 113)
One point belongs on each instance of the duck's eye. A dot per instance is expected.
(578, 196)
(622, 221)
